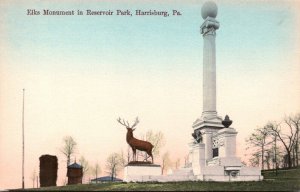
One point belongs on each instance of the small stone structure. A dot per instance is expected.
(48, 170)
(75, 174)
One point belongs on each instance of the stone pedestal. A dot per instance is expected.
(198, 158)
(225, 166)
(141, 172)
(226, 142)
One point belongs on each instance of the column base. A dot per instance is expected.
(208, 119)
(141, 173)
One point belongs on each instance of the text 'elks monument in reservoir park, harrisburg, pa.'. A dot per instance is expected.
(213, 146)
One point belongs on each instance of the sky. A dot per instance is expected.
(81, 73)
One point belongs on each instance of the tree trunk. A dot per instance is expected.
(112, 173)
(68, 161)
(296, 163)
(294, 157)
(96, 176)
(289, 160)
(297, 145)
(262, 157)
(268, 162)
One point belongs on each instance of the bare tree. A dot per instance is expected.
(177, 163)
(33, 177)
(258, 141)
(293, 122)
(276, 150)
(124, 159)
(268, 157)
(126, 156)
(254, 159)
(85, 166)
(68, 148)
(186, 160)
(96, 170)
(114, 163)
(289, 139)
(166, 162)
(157, 139)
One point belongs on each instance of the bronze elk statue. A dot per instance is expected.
(134, 143)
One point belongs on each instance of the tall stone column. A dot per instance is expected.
(209, 117)
(208, 30)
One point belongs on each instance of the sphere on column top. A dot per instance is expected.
(209, 9)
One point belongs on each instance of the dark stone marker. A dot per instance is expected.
(48, 170)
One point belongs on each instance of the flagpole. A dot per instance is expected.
(23, 185)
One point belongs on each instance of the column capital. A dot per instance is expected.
(209, 26)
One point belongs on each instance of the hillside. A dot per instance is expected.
(286, 180)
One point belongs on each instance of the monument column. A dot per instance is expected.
(208, 30)
(209, 117)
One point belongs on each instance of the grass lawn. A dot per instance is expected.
(286, 180)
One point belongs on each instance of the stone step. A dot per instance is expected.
(183, 172)
(174, 178)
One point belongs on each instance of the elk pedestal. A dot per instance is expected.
(141, 172)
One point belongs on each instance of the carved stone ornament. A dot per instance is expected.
(209, 26)
(209, 31)
(197, 135)
(215, 143)
(221, 142)
(227, 122)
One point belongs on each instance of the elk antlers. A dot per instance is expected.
(126, 124)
